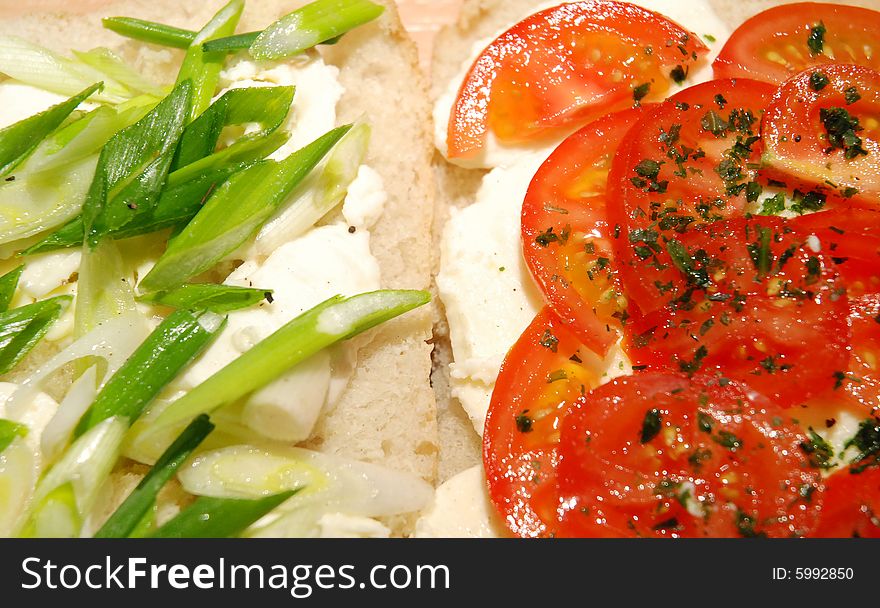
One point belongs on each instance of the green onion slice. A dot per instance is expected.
(215, 298)
(330, 322)
(9, 432)
(131, 513)
(211, 517)
(21, 328)
(167, 350)
(234, 212)
(8, 285)
(149, 31)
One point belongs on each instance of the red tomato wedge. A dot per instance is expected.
(750, 300)
(851, 506)
(541, 376)
(565, 66)
(860, 381)
(829, 136)
(662, 455)
(780, 42)
(565, 231)
(686, 163)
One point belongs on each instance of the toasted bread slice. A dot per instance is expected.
(387, 414)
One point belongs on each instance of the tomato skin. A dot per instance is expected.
(521, 88)
(798, 140)
(519, 455)
(683, 193)
(660, 455)
(851, 505)
(752, 306)
(566, 242)
(784, 32)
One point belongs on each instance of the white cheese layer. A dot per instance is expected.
(697, 16)
(485, 286)
(461, 509)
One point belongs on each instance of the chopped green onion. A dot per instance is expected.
(107, 62)
(215, 298)
(8, 285)
(203, 69)
(313, 203)
(211, 517)
(267, 106)
(41, 68)
(85, 467)
(103, 289)
(18, 476)
(312, 24)
(125, 520)
(176, 205)
(21, 328)
(234, 212)
(56, 516)
(17, 141)
(231, 44)
(330, 322)
(9, 432)
(156, 362)
(149, 31)
(133, 166)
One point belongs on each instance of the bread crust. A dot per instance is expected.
(387, 414)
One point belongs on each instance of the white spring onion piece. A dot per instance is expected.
(18, 475)
(75, 403)
(114, 341)
(40, 67)
(330, 485)
(319, 194)
(44, 200)
(85, 466)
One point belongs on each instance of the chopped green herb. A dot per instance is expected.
(867, 441)
(548, 340)
(820, 454)
(841, 128)
(728, 440)
(818, 81)
(524, 422)
(691, 367)
(678, 74)
(773, 205)
(641, 91)
(816, 39)
(851, 95)
(651, 425)
(705, 422)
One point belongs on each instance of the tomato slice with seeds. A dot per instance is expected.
(545, 371)
(749, 299)
(828, 134)
(851, 506)
(664, 455)
(690, 161)
(784, 40)
(565, 66)
(565, 231)
(852, 239)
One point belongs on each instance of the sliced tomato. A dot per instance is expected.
(829, 136)
(662, 455)
(748, 299)
(546, 370)
(565, 231)
(565, 66)
(689, 162)
(851, 506)
(781, 41)
(852, 238)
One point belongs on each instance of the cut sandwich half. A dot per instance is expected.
(353, 428)
(513, 280)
